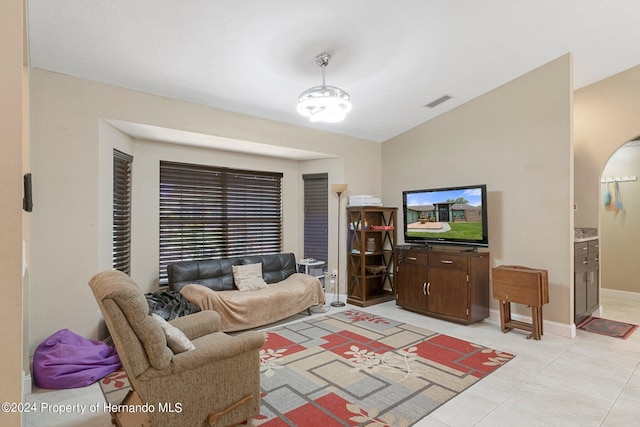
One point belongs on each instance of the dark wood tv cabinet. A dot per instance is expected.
(446, 284)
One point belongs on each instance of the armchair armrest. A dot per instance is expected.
(208, 350)
(198, 324)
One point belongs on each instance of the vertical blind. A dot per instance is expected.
(121, 252)
(209, 212)
(316, 222)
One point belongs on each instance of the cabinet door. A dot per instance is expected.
(592, 286)
(411, 285)
(580, 290)
(447, 292)
(592, 279)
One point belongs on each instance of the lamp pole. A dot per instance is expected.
(338, 189)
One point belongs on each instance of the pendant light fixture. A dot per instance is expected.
(324, 103)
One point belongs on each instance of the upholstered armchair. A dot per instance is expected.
(215, 383)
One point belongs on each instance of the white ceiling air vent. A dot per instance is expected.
(438, 101)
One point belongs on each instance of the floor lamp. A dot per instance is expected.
(338, 189)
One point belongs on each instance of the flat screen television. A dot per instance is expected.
(453, 215)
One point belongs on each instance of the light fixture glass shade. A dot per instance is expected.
(327, 104)
(324, 103)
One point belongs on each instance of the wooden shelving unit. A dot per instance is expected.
(371, 262)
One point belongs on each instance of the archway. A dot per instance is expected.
(619, 231)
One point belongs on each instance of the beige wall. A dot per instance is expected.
(620, 229)
(71, 154)
(605, 117)
(516, 139)
(12, 87)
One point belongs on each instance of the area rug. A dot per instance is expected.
(353, 368)
(610, 328)
(115, 386)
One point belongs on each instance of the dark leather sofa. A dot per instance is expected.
(210, 285)
(217, 274)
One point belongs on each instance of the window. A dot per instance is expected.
(121, 252)
(209, 212)
(316, 221)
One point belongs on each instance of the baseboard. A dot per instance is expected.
(550, 327)
(625, 295)
(26, 384)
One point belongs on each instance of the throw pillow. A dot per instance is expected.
(248, 277)
(176, 339)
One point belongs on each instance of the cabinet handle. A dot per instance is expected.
(446, 261)
(412, 258)
(424, 286)
(429, 288)
(584, 262)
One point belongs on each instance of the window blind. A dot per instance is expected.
(121, 251)
(209, 212)
(316, 221)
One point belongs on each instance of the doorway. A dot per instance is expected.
(619, 232)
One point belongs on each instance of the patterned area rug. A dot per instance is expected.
(115, 386)
(354, 368)
(610, 328)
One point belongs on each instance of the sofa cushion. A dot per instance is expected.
(176, 339)
(216, 274)
(249, 277)
(275, 267)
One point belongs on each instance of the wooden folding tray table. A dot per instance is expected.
(521, 285)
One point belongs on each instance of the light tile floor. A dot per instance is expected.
(590, 380)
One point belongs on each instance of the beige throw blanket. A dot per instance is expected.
(244, 310)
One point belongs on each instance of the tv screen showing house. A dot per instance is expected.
(446, 215)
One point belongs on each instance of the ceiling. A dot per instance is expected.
(256, 56)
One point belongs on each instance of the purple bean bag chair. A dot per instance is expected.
(67, 360)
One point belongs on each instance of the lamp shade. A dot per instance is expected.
(339, 188)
